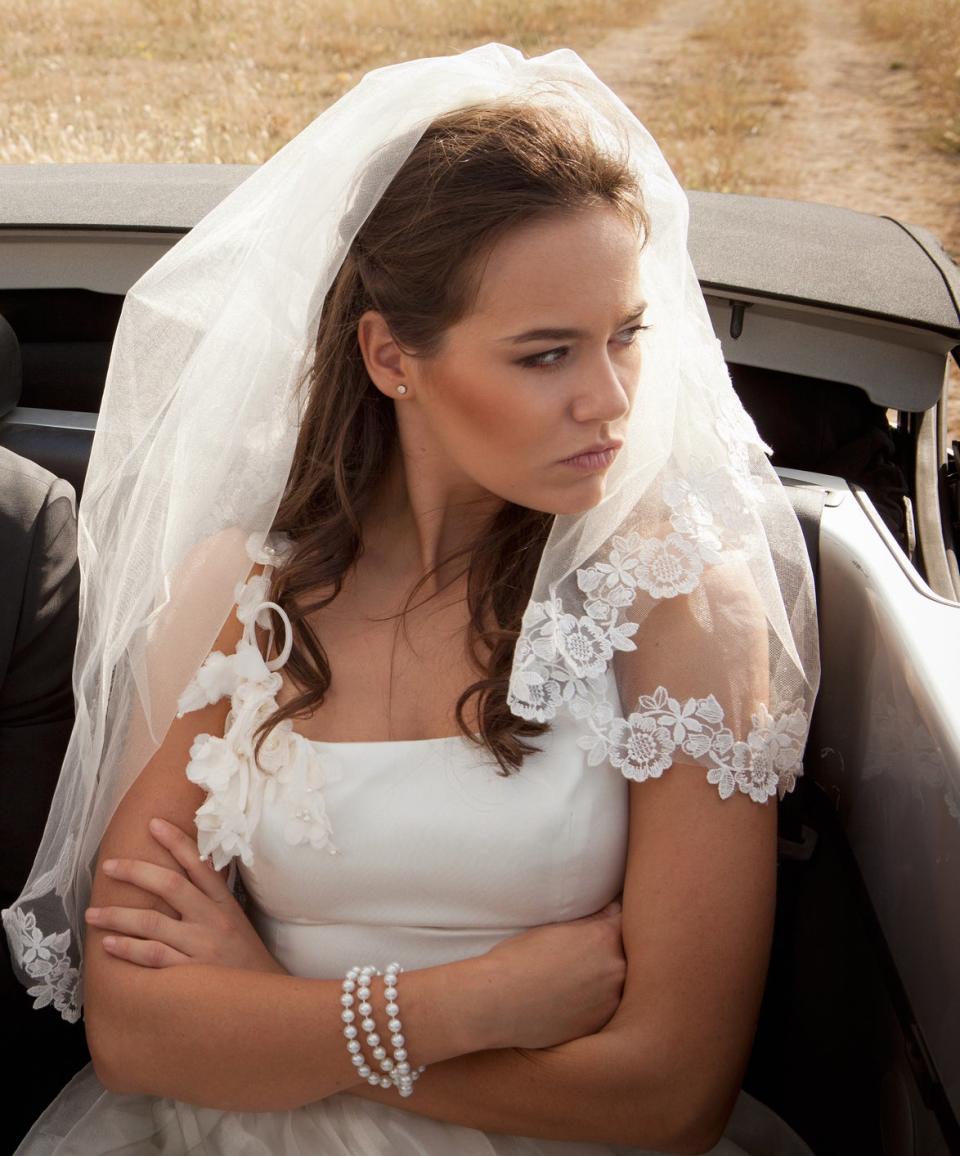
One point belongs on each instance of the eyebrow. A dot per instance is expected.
(553, 334)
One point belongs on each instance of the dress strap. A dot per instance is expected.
(289, 773)
(280, 660)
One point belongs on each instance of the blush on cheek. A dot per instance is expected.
(489, 420)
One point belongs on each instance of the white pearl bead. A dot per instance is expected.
(365, 1008)
(373, 1079)
(363, 993)
(347, 1016)
(349, 985)
(373, 1039)
(399, 1053)
(353, 1047)
(356, 1061)
(363, 1071)
(390, 993)
(393, 1009)
(379, 1053)
(367, 1024)
(386, 1063)
(346, 999)
(397, 1040)
(385, 1082)
(350, 1032)
(403, 1068)
(394, 1025)
(406, 1092)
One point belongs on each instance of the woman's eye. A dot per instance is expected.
(628, 336)
(547, 359)
(553, 358)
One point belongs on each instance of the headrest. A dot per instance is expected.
(11, 372)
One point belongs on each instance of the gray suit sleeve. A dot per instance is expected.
(36, 696)
(38, 623)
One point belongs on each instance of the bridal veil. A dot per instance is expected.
(695, 544)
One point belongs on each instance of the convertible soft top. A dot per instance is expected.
(786, 251)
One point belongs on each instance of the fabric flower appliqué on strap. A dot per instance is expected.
(288, 774)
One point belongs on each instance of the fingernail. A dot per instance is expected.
(157, 825)
(110, 865)
(93, 913)
(109, 941)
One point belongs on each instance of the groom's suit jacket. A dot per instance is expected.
(39, 581)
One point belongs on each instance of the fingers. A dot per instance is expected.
(176, 890)
(183, 848)
(144, 952)
(144, 924)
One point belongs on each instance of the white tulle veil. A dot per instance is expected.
(695, 541)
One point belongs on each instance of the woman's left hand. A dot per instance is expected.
(211, 927)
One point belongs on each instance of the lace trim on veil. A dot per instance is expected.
(561, 657)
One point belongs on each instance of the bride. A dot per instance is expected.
(424, 531)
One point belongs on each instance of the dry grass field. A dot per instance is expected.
(925, 38)
(232, 80)
(856, 102)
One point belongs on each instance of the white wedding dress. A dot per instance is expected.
(366, 852)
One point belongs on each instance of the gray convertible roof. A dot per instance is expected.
(811, 253)
(783, 250)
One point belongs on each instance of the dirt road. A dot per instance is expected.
(848, 128)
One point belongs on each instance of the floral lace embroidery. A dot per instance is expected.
(291, 774)
(642, 746)
(46, 958)
(561, 658)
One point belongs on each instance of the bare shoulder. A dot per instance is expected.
(712, 641)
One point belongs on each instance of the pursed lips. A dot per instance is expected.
(596, 449)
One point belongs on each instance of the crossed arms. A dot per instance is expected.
(663, 1072)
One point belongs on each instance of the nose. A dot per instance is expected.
(603, 394)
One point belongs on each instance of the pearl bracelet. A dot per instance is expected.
(399, 1067)
(397, 1072)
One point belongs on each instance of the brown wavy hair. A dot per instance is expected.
(417, 259)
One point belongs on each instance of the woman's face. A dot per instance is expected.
(529, 394)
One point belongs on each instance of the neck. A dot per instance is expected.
(422, 514)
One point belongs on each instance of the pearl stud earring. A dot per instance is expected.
(401, 389)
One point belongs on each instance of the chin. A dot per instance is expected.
(572, 503)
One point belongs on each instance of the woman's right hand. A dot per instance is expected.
(556, 982)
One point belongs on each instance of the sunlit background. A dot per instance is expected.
(852, 102)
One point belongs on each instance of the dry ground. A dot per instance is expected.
(846, 101)
(828, 113)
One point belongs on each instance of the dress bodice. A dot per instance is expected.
(417, 850)
(438, 855)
